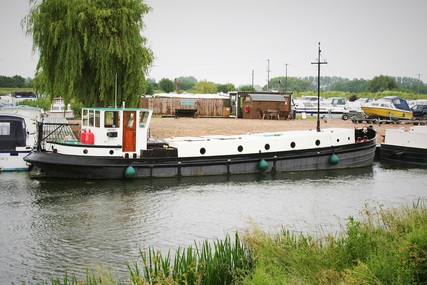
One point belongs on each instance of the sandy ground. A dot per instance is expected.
(171, 127)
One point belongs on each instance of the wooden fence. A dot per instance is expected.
(205, 107)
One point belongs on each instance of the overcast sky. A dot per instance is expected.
(225, 40)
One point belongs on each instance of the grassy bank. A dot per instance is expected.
(384, 247)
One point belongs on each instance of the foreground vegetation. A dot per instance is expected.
(384, 247)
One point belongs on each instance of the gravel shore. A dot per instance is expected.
(171, 127)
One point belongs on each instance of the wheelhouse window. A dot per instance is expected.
(111, 119)
(129, 120)
(91, 117)
(85, 116)
(97, 118)
(143, 117)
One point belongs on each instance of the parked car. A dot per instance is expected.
(419, 111)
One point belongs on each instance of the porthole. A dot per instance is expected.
(317, 142)
(240, 148)
(111, 152)
(85, 151)
(267, 146)
(202, 150)
(338, 140)
(293, 144)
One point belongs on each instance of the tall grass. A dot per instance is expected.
(224, 262)
(384, 247)
(387, 247)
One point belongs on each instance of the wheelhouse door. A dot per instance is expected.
(129, 131)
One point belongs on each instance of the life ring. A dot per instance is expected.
(246, 109)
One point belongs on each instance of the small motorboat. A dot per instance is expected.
(389, 107)
(59, 109)
(18, 135)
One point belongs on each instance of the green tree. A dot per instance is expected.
(12, 82)
(224, 88)
(246, 88)
(289, 84)
(187, 82)
(382, 83)
(166, 85)
(205, 87)
(85, 45)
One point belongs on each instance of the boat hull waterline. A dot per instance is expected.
(403, 154)
(14, 160)
(88, 167)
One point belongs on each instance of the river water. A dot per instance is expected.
(49, 226)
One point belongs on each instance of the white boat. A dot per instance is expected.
(330, 107)
(354, 109)
(58, 109)
(356, 106)
(335, 105)
(308, 105)
(404, 145)
(18, 135)
(115, 143)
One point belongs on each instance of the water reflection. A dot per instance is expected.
(52, 225)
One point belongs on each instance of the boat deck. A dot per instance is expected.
(57, 129)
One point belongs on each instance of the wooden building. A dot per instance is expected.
(266, 105)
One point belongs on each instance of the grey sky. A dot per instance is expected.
(224, 40)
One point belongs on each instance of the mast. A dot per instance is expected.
(318, 87)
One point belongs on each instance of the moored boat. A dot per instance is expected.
(17, 136)
(389, 107)
(405, 145)
(59, 109)
(115, 143)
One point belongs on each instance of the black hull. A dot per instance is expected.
(408, 155)
(90, 167)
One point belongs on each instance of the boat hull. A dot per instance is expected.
(403, 154)
(13, 161)
(405, 145)
(378, 112)
(91, 167)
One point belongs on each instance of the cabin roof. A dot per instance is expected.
(267, 97)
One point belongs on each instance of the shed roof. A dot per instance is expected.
(267, 97)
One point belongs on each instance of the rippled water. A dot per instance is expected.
(52, 225)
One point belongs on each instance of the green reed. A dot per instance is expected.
(386, 247)
(222, 262)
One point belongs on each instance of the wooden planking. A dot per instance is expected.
(205, 107)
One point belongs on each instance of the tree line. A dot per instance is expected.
(296, 84)
(15, 82)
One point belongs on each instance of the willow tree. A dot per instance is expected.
(86, 46)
